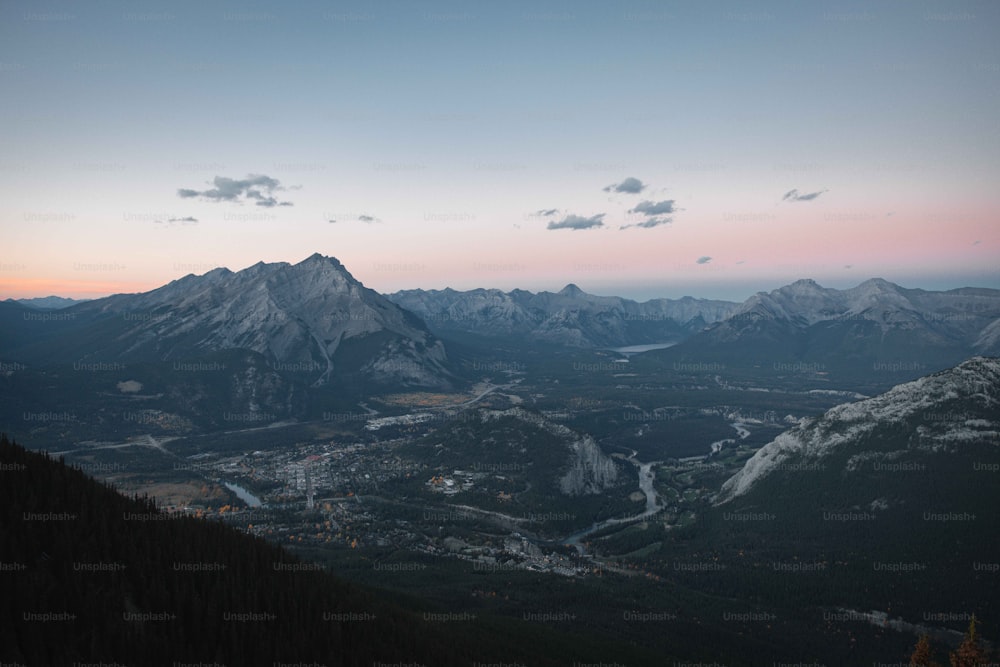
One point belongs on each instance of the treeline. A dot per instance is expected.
(970, 653)
(89, 575)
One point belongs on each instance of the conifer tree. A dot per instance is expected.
(969, 653)
(923, 654)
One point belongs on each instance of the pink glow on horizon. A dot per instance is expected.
(29, 288)
(795, 241)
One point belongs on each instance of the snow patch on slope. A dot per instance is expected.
(976, 380)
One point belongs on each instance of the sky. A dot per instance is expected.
(644, 149)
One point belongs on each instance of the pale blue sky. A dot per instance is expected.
(451, 125)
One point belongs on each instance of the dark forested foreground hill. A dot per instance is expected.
(89, 575)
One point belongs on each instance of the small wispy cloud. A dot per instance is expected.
(647, 207)
(361, 217)
(651, 222)
(255, 187)
(630, 186)
(795, 195)
(576, 222)
(187, 220)
(703, 260)
(546, 212)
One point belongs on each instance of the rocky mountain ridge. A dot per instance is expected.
(569, 317)
(312, 317)
(937, 412)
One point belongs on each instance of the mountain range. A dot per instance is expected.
(876, 333)
(48, 302)
(292, 339)
(967, 316)
(568, 317)
(308, 314)
(801, 319)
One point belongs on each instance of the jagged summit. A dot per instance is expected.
(571, 290)
(803, 285)
(319, 259)
(215, 273)
(875, 288)
(315, 260)
(879, 283)
(802, 301)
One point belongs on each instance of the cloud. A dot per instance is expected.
(361, 217)
(703, 260)
(651, 222)
(647, 207)
(578, 222)
(187, 220)
(546, 212)
(630, 185)
(267, 202)
(795, 195)
(256, 187)
(657, 213)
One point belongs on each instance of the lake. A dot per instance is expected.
(636, 349)
(244, 495)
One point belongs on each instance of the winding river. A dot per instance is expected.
(646, 477)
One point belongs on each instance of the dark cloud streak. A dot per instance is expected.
(576, 222)
(256, 187)
(650, 223)
(186, 220)
(647, 207)
(795, 195)
(630, 185)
